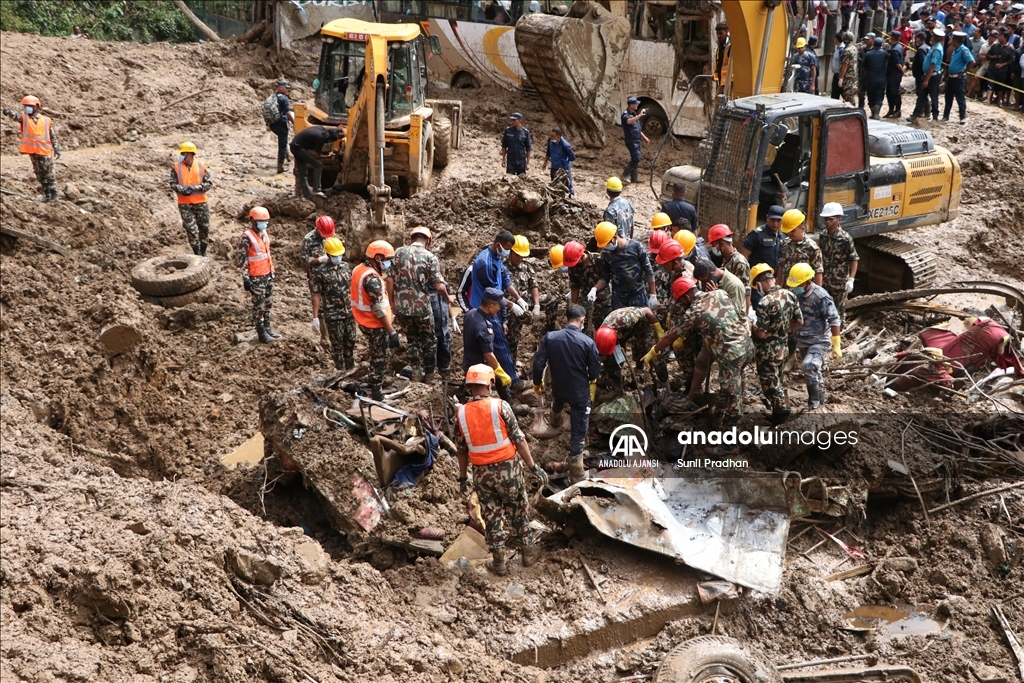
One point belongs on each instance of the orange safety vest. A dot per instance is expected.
(35, 136)
(485, 432)
(362, 309)
(259, 261)
(190, 176)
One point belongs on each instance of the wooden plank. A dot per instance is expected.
(41, 241)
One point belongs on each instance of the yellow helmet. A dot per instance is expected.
(613, 184)
(660, 220)
(479, 374)
(792, 219)
(605, 233)
(758, 270)
(686, 240)
(799, 274)
(187, 148)
(556, 256)
(334, 246)
(521, 246)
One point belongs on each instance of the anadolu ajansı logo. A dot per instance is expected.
(628, 442)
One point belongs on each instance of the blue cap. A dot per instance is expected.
(517, 116)
(776, 211)
(493, 294)
(632, 100)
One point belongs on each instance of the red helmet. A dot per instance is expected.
(572, 254)
(670, 250)
(325, 226)
(656, 240)
(606, 338)
(717, 232)
(682, 285)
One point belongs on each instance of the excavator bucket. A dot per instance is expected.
(573, 62)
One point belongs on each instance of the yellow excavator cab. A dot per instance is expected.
(358, 30)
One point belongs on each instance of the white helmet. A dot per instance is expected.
(831, 209)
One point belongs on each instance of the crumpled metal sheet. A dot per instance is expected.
(734, 527)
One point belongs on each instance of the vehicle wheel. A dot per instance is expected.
(442, 141)
(427, 162)
(465, 81)
(165, 276)
(201, 295)
(715, 659)
(655, 124)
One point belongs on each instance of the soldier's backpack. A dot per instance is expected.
(271, 111)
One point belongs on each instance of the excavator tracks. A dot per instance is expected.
(893, 265)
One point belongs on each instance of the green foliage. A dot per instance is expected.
(143, 20)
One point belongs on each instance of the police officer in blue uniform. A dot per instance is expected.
(516, 145)
(762, 245)
(634, 136)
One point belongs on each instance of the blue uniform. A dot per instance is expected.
(561, 156)
(813, 338)
(894, 77)
(680, 208)
(956, 81)
(876, 63)
(574, 363)
(620, 212)
(627, 270)
(280, 127)
(488, 271)
(631, 132)
(516, 143)
(804, 62)
(477, 337)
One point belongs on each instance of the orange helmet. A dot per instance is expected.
(30, 101)
(669, 252)
(682, 285)
(421, 230)
(717, 232)
(656, 240)
(606, 339)
(479, 374)
(259, 213)
(686, 240)
(325, 226)
(380, 248)
(572, 254)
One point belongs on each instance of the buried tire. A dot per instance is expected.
(201, 295)
(442, 141)
(714, 658)
(168, 276)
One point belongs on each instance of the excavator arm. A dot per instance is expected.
(364, 153)
(755, 27)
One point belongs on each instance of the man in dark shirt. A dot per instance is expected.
(478, 338)
(280, 127)
(516, 145)
(307, 148)
(631, 119)
(921, 42)
(762, 244)
(575, 367)
(894, 75)
(875, 65)
(680, 208)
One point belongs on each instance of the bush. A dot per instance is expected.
(143, 20)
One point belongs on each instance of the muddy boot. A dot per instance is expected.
(195, 249)
(813, 396)
(576, 471)
(266, 326)
(202, 248)
(531, 553)
(497, 564)
(280, 167)
(874, 111)
(52, 194)
(261, 334)
(377, 394)
(822, 399)
(555, 419)
(780, 414)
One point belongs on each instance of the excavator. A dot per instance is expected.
(801, 151)
(371, 83)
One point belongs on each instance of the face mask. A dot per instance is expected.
(30, 110)
(387, 264)
(715, 251)
(503, 253)
(336, 260)
(262, 225)
(181, 158)
(563, 269)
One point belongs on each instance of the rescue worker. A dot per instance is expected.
(813, 340)
(775, 318)
(693, 251)
(478, 338)
(895, 67)
(865, 46)
(918, 68)
(876, 61)
(372, 312)
(575, 367)
(561, 155)
(837, 64)
(489, 270)
(313, 254)
(524, 279)
(308, 149)
(490, 438)
(678, 207)
(331, 283)
(806, 67)
(932, 76)
(630, 324)
(631, 130)
(625, 267)
(799, 248)
(726, 335)
(960, 61)
(662, 276)
(720, 242)
(190, 180)
(280, 127)
(849, 76)
(39, 142)
(619, 210)
(711, 278)
(417, 276)
(253, 257)
(839, 258)
(762, 244)
(584, 274)
(516, 145)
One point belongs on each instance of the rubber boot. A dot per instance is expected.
(531, 553)
(874, 111)
(195, 249)
(202, 248)
(822, 399)
(780, 414)
(266, 326)
(261, 334)
(497, 564)
(280, 167)
(555, 419)
(813, 396)
(53, 194)
(576, 471)
(377, 394)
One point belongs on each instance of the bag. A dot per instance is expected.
(271, 111)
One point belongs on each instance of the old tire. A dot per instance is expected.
(201, 295)
(167, 276)
(714, 658)
(442, 141)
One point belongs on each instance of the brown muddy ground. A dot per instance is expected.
(121, 534)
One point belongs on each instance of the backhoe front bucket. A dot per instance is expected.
(574, 62)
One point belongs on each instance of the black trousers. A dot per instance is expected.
(955, 90)
(280, 129)
(304, 160)
(892, 93)
(876, 93)
(837, 92)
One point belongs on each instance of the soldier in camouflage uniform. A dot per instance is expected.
(372, 312)
(190, 180)
(721, 247)
(839, 257)
(635, 324)
(331, 283)
(849, 72)
(799, 248)
(252, 255)
(627, 270)
(524, 279)
(39, 142)
(417, 275)
(489, 436)
(584, 274)
(776, 316)
(313, 255)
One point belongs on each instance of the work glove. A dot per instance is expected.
(650, 356)
(455, 325)
(393, 341)
(10, 112)
(540, 474)
(323, 258)
(593, 390)
(837, 348)
(659, 330)
(518, 311)
(752, 316)
(652, 301)
(502, 376)
(592, 295)
(247, 284)
(678, 344)
(464, 486)
(538, 389)
(536, 312)
(522, 304)
(849, 285)
(568, 296)
(316, 325)
(186, 190)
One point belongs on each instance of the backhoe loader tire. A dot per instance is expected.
(714, 658)
(166, 276)
(442, 141)
(201, 295)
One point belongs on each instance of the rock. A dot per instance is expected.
(907, 565)
(254, 569)
(993, 545)
(139, 527)
(119, 338)
(956, 605)
(72, 192)
(989, 674)
(314, 563)
(243, 337)
(455, 667)
(295, 207)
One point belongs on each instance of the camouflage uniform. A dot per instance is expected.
(620, 212)
(813, 338)
(525, 281)
(727, 336)
(332, 282)
(738, 265)
(775, 312)
(584, 278)
(43, 167)
(792, 253)
(376, 338)
(417, 273)
(195, 218)
(837, 252)
(851, 82)
(631, 325)
(627, 271)
(662, 287)
(312, 247)
(261, 288)
(501, 488)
